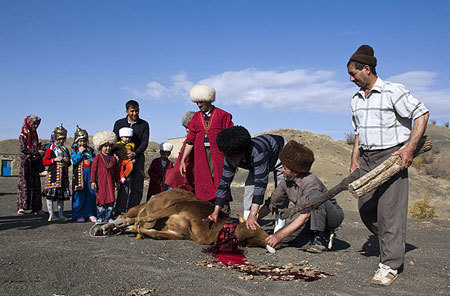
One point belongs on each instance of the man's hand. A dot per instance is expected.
(251, 222)
(215, 214)
(93, 186)
(274, 239)
(182, 168)
(354, 165)
(131, 155)
(407, 156)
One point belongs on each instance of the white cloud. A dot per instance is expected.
(298, 89)
(421, 84)
(155, 91)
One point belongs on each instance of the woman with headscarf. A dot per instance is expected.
(29, 195)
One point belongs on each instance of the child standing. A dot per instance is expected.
(57, 159)
(124, 146)
(83, 202)
(157, 170)
(104, 174)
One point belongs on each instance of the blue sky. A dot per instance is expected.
(274, 64)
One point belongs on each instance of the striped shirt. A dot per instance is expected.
(261, 157)
(383, 119)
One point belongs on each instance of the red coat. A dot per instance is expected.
(105, 176)
(205, 189)
(173, 176)
(157, 175)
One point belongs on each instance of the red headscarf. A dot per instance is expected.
(29, 134)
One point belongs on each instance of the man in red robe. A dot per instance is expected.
(203, 129)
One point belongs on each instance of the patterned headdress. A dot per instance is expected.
(80, 134)
(29, 134)
(60, 132)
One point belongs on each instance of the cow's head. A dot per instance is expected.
(248, 237)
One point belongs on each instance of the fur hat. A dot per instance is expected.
(202, 93)
(126, 132)
(187, 116)
(364, 55)
(234, 140)
(60, 132)
(80, 134)
(297, 157)
(166, 147)
(102, 138)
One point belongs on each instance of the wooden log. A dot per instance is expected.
(316, 201)
(385, 171)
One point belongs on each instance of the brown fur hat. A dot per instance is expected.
(297, 157)
(364, 55)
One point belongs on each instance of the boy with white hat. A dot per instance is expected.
(123, 147)
(157, 170)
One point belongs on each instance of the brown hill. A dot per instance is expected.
(333, 161)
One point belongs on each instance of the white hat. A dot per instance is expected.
(166, 146)
(202, 93)
(126, 132)
(187, 116)
(102, 138)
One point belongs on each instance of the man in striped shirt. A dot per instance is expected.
(259, 155)
(382, 115)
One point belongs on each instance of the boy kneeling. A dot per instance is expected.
(299, 186)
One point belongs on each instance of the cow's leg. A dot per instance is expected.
(176, 227)
(162, 234)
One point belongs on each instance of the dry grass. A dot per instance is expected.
(423, 209)
(350, 138)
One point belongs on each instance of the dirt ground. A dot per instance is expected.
(61, 258)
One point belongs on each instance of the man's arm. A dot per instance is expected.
(144, 140)
(275, 238)
(355, 155)
(407, 152)
(187, 151)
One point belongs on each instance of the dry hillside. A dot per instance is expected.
(332, 164)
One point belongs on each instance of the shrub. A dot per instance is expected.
(422, 209)
(350, 138)
(433, 121)
(446, 124)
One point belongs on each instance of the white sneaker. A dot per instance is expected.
(384, 275)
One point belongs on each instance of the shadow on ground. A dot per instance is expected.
(371, 247)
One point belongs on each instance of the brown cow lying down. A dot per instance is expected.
(178, 214)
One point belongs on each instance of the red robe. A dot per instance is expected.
(205, 189)
(173, 177)
(105, 176)
(157, 175)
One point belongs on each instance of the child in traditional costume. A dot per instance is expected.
(157, 170)
(57, 159)
(29, 196)
(173, 177)
(83, 202)
(123, 147)
(105, 174)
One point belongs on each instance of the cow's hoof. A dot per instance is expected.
(97, 231)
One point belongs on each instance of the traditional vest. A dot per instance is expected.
(55, 171)
(78, 175)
